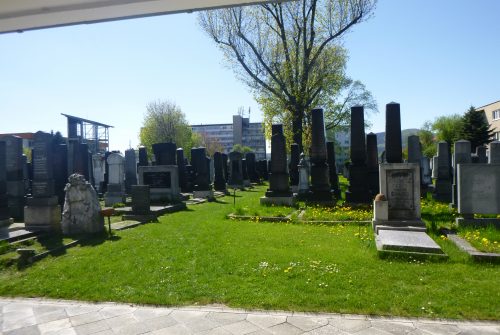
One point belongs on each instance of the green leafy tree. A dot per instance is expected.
(475, 128)
(427, 139)
(242, 148)
(288, 53)
(165, 122)
(447, 128)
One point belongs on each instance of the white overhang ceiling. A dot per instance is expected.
(20, 15)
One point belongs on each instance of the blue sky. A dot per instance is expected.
(434, 57)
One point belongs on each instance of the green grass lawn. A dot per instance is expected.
(199, 257)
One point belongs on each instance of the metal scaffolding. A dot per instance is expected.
(95, 134)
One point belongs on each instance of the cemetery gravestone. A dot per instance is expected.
(372, 163)
(116, 180)
(202, 187)
(461, 154)
(332, 169)
(163, 182)
(478, 193)
(219, 180)
(235, 172)
(481, 155)
(143, 156)
(252, 167)
(42, 211)
(15, 186)
(303, 187)
(294, 167)
(246, 178)
(425, 169)
(60, 171)
(224, 166)
(443, 186)
(181, 164)
(320, 179)
(400, 190)
(278, 192)
(165, 153)
(5, 218)
(82, 211)
(358, 191)
(130, 170)
(393, 143)
(494, 154)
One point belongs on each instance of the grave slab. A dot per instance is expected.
(411, 241)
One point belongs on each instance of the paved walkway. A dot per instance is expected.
(40, 316)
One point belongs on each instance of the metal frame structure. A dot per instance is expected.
(95, 134)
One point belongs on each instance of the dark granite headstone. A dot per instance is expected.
(189, 177)
(443, 186)
(130, 170)
(251, 167)
(235, 170)
(393, 144)
(263, 169)
(143, 156)
(219, 180)
(42, 212)
(4, 201)
(78, 159)
(141, 201)
(414, 149)
(278, 176)
(224, 166)
(372, 163)
(320, 179)
(461, 155)
(359, 191)
(14, 175)
(481, 154)
(165, 153)
(182, 170)
(293, 167)
(332, 169)
(244, 169)
(60, 171)
(201, 169)
(494, 153)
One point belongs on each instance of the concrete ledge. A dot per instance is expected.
(475, 254)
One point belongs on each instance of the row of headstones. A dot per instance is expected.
(445, 166)
(172, 174)
(315, 180)
(34, 191)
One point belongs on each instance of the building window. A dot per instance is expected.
(497, 136)
(496, 114)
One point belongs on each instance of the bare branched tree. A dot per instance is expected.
(288, 51)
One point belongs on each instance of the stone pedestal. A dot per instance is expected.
(163, 182)
(42, 214)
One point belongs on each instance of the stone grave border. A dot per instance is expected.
(287, 218)
(476, 255)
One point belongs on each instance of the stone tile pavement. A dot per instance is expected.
(41, 316)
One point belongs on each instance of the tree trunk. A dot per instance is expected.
(298, 116)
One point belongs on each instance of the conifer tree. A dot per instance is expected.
(475, 129)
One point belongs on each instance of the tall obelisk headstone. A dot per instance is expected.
(279, 192)
(320, 179)
(358, 191)
(372, 163)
